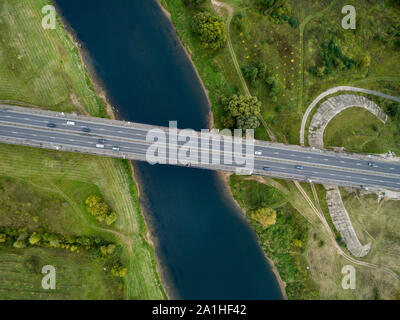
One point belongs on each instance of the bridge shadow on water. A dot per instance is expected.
(204, 244)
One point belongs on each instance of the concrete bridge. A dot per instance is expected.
(127, 140)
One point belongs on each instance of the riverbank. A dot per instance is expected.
(129, 171)
(210, 119)
(224, 176)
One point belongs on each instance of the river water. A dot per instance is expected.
(204, 245)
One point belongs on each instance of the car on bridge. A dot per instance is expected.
(372, 164)
(299, 167)
(100, 146)
(115, 148)
(70, 123)
(258, 153)
(85, 130)
(267, 169)
(51, 125)
(102, 141)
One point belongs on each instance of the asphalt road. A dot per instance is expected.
(281, 160)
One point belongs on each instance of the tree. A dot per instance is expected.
(100, 210)
(35, 238)
(365, 61)
(3, 237)
(262, 70)
(244, 109)
(118, 271)
(250, 73)
(242, 106)
(111, 218)
(228, 122)
(293, 22)
(275, 86)
(19, 244)
(264, 216)
(210, 29)
(107, 250)
(394, 110)
(247, 123)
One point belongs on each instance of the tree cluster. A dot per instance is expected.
(193, 3)
(254, 73)
(243, 110)
(100, 210)
(22, 238)
(332, 58)
(210, 30)
(277, 10)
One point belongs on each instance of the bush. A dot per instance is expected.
(100, 210)
(293, 22)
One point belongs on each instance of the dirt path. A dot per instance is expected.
(218, 6)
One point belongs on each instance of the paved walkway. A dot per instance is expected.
(332, 91)
(341, 220)
(333, 106)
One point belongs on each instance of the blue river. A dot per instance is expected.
(204, 245)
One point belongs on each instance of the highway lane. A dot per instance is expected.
(139, 148)
(114, 131)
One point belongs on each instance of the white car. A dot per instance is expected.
(258, 153)
(115, 148)
(101, 146)
(70, 123)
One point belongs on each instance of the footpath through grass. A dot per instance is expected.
(42, 67)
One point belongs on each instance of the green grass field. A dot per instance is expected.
(45, 189)
(358, 130)
(77, 276)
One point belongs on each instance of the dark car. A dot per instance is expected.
(299, 167)
(51, 125)
(267, 168)
(102, 141)
(371, 164)
(85, 129)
